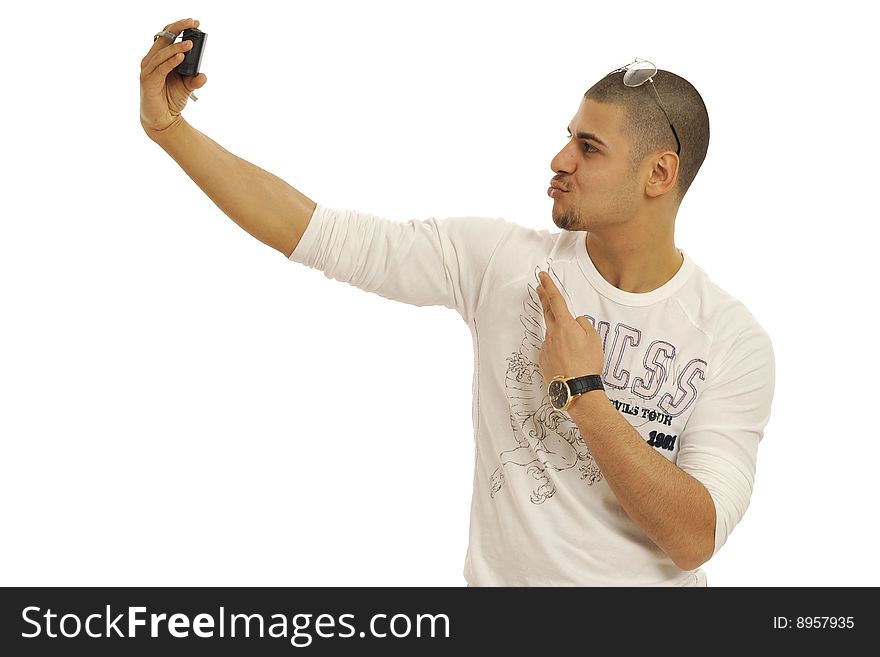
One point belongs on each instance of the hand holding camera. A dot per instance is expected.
(170, 73)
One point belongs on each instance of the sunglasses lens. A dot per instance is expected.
(638, 74)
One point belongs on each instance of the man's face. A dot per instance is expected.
(595, 171)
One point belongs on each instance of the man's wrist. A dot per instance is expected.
(586, 402)
(166, 133)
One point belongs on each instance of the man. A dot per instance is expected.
(619, 395)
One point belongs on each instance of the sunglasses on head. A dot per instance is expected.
(637, 73)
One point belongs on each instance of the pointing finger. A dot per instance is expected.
(545, 304)
(554, 298)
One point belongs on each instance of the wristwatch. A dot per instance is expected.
(562, 391)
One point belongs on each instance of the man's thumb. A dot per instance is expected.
(196, 82)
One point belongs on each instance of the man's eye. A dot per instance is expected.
(588, 148)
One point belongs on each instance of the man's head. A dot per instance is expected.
(627, 169)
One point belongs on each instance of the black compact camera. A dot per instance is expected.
(192, 57)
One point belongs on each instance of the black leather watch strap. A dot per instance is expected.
(581, 384)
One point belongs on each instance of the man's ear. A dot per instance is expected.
(664, 174)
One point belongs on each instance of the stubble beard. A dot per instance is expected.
(568, 219)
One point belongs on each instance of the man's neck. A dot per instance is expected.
(634, 265)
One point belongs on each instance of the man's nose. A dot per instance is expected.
(562, 160)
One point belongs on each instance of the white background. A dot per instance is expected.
(181, 405)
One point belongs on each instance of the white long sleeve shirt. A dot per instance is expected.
(686, 364)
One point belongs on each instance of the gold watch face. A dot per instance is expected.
(558, 391)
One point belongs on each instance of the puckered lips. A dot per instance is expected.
(555, 189)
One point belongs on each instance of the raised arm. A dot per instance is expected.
(261, 203)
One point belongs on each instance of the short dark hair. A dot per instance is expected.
(647, 127)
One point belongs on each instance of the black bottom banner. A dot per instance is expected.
(426, 621)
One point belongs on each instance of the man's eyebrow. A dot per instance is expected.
(588, 135)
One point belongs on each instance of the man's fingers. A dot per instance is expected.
(554, 297)
(175, 52)
(178, 27)
(175, 28)
(181, 25)
(164, 68)
(585, 324)
(170, 63)
(545, 304)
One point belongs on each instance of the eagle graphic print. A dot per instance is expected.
(546, 440)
